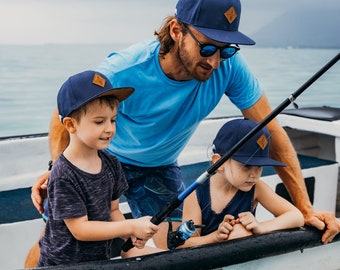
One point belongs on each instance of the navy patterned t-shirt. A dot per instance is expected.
(74, 193)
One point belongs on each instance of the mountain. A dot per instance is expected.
(311, 27)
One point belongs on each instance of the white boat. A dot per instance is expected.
(315, 133)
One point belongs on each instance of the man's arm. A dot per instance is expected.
(58, 141)
(58, 136)
(282, 150)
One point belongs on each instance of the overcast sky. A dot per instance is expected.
(111, 21)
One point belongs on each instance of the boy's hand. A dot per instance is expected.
(143, 228)
(138, 243)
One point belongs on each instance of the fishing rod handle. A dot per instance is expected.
(127, 245)
(156, 219)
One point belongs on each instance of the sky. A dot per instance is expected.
(112, 21)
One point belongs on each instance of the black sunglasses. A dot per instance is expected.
(207, 50)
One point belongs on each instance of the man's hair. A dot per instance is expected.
(110, 101)
(164, 37)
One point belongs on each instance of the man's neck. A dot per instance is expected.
(172, 67)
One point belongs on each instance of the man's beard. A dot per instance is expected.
(185, 60)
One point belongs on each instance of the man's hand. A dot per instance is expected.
(39, 191)
(324, 221)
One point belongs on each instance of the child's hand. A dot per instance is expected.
(143, 228)
(138, 243)
(248, 220)
(225, 227)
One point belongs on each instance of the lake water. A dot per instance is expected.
(30, 77)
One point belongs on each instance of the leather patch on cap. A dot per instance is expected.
(231, 15)
(262, 141)
(98, 80)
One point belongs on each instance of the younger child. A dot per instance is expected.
(85, 182)
(226, 202)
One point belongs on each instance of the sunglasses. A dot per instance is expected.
(207, 50)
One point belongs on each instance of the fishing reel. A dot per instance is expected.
(183, 232)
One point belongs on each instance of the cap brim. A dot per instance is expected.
(232, 37)
(258, 161)
(119, 93)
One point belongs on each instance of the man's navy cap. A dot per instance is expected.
(84, 87)
(217, 19)
(255, 152)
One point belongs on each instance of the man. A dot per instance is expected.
(178, 80)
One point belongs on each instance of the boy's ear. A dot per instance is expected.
(70, 124)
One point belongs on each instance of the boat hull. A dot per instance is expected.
(24, 158)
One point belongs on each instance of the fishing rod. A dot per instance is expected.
(172, 205)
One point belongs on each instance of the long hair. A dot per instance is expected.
(164, 37)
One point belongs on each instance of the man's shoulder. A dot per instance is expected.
(149, 46)
(135, 53)
(132, 56)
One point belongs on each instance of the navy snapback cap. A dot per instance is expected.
(84, 87)
(216, 19)
(255, 152)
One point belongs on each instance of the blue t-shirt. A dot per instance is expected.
(74, 193)
(157, 120)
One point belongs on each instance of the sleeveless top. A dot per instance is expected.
(241, 202)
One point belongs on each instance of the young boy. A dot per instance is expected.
(85, 182)
(226, 203)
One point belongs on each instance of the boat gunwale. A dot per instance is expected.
(217, 255)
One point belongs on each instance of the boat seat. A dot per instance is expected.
(324, 113)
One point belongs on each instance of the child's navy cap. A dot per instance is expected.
(217, 19)
(255, 152)
(84, 87)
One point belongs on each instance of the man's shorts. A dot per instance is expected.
(151, 188)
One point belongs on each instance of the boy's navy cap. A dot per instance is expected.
(84, 87)
(217, 19)
(255, 152)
